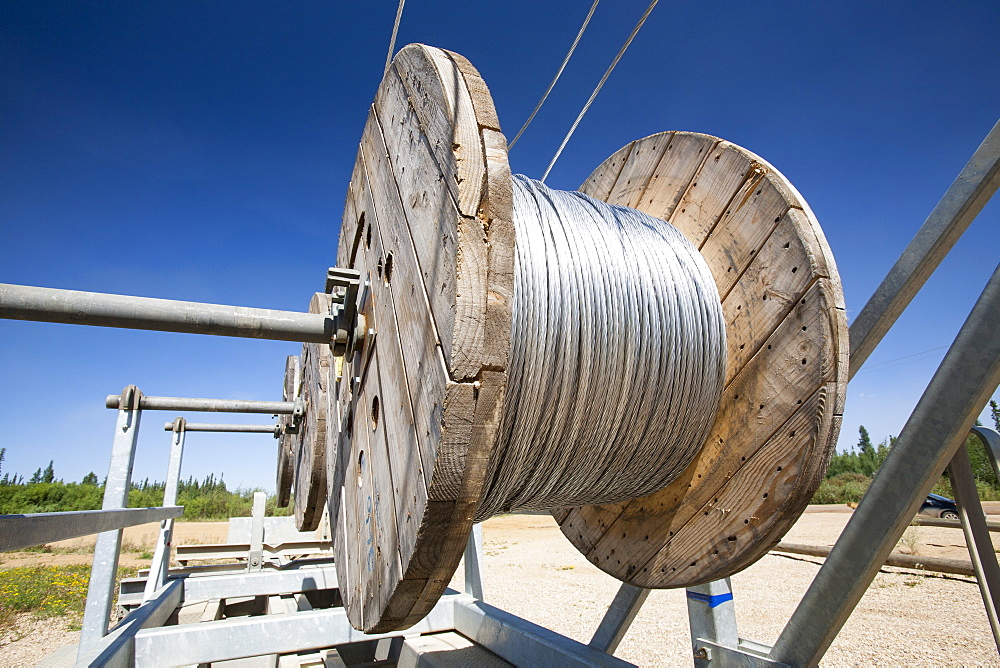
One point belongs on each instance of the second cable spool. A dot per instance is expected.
(428, 413)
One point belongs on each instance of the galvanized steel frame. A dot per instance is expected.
(931, 439)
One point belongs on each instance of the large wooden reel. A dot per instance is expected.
(428, 223)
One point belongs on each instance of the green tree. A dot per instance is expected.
(89, 479)
(49, 474)
(36, 477)
(995, 414)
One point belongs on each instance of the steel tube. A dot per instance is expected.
(104, 571)
(939, 425)
(977, 536)
(21, 531)
(22, 302)
(619, 617)
(235, 428)
(962, 202)
(161, 555)
(207, 405)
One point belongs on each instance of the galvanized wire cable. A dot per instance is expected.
(618, 355)
(600, 85)
(392, 40)
(552, 85)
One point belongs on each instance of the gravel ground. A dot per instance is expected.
(905, 618)
(33, 639)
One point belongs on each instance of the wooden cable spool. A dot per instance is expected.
(428, 223)
(286, 434)
(310, 485)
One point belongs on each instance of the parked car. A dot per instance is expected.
(936, 505)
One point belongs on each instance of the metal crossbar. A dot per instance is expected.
(20, 531)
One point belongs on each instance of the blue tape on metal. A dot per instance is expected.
(712, 601)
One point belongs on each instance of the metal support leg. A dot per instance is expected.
(105, 569)
(161, 557)
(618, 618)
(939, 425)
(256, 556)
(712, 617)
(977, 536)
(474, 563)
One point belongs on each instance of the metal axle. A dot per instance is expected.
(22, 302)
(237, 428)
(207, 405)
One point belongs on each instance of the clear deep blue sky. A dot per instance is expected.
(201, 151)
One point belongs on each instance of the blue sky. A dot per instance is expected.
(201, 151)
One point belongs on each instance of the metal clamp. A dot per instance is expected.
(350, 325)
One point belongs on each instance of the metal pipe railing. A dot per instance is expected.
(207, 405)
(22, 302)
(233, 428)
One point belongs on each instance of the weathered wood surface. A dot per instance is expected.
(427, 222)
(787, 366)
(286, 447)
(309, 483)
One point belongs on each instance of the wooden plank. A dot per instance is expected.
(727, 524)
(743, 229)
(632, 181)
(438, 94)
(430, 213)
(685, 154)
(408, 414)
(770, 287)
(479, 93)
(498, 216)
(449, 127)
(352, 223)
(386, 480)
(712, 190)
(422, 360)
(603, 179)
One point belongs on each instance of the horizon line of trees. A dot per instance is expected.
(207, 499)
(847, 477)
(851, 472)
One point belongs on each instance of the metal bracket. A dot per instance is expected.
(348, 323)
(746, 655)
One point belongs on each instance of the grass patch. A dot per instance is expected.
(45, 591)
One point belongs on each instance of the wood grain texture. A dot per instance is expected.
(428, 223)
(286, 448)
(787, 363)
(309, 482)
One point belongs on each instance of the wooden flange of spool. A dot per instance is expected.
(428, 223)
(286, 435)
(310, 443)
(786, 377)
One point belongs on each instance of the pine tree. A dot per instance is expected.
(89, 479)
(867, 457)
(49, 475)
(36, 477)
(995, 414)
